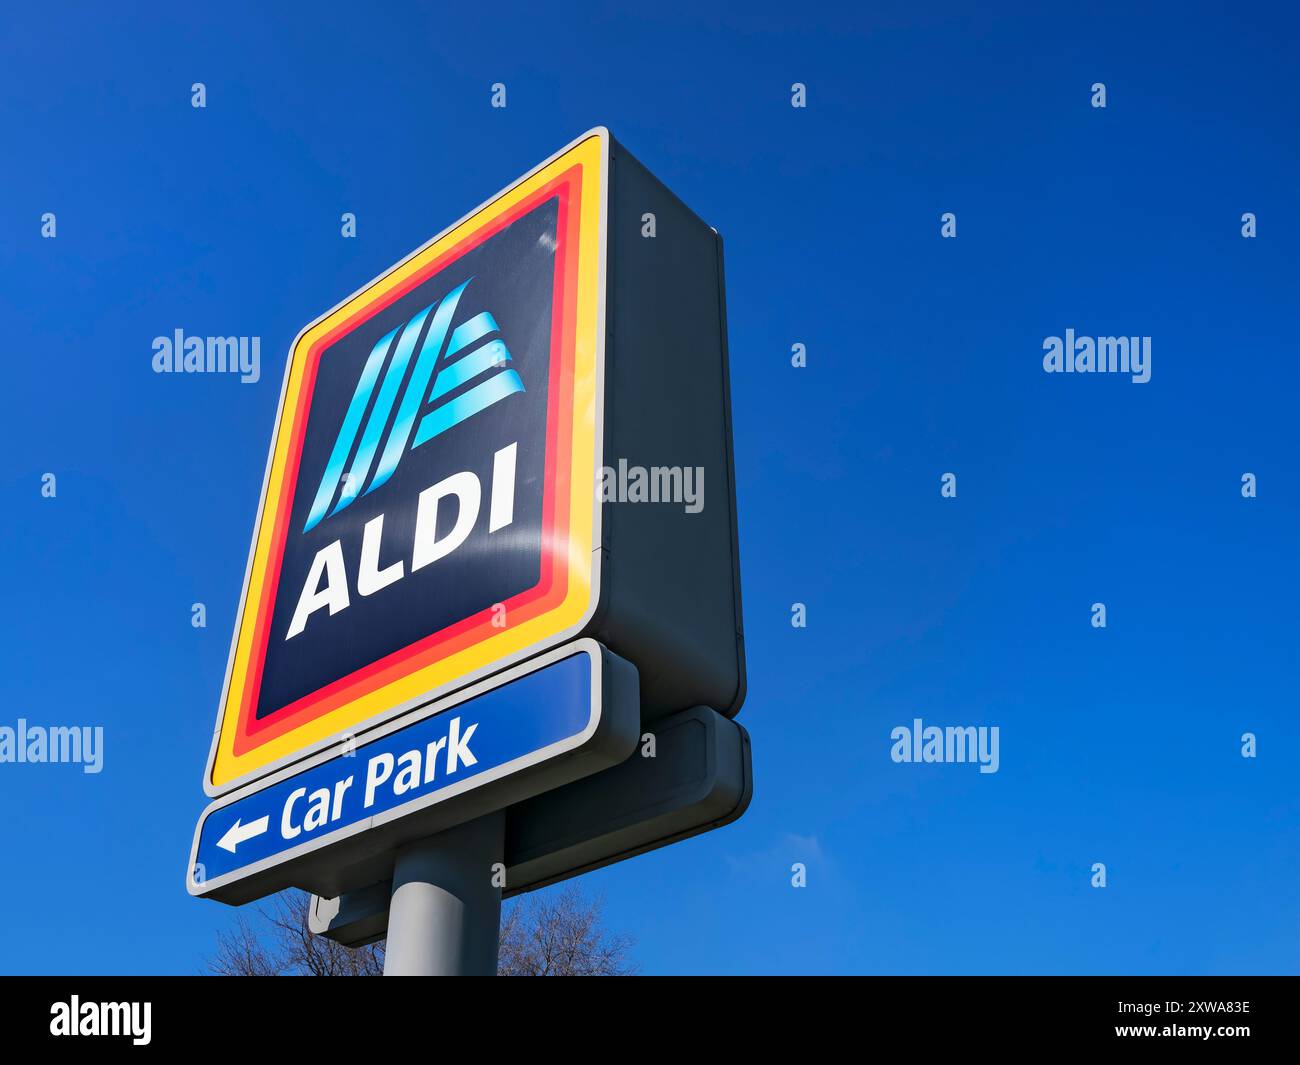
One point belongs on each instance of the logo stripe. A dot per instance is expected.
(476, 399)
(413, 397)
(383, 407)
(348, 431)
(473, 364)
(467, 332)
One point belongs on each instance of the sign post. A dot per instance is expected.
(496, 547)
(445, 914)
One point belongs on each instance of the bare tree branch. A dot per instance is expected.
(286, 947)
(559, 935)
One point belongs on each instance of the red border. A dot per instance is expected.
(553, 579)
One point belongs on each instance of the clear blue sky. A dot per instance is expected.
(1118, 746)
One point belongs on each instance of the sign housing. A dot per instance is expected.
(432, 510)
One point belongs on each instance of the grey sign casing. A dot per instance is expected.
(670, 580)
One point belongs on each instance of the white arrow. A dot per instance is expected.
(238, 833)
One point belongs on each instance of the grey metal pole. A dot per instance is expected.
(445, 915)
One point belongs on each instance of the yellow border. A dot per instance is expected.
(226, 765)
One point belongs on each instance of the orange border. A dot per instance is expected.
(252, 732)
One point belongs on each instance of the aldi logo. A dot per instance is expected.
(486, 379)
(485, 366)
(428, 513)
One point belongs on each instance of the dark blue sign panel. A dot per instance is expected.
(499, 732)
(475, 338)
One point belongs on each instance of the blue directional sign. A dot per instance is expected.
(458, 747)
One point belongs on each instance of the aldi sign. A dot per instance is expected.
(428, 512)
(437, 516)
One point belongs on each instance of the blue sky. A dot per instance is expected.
(924, 357)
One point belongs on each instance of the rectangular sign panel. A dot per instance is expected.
(539, 726)
(428, 514)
